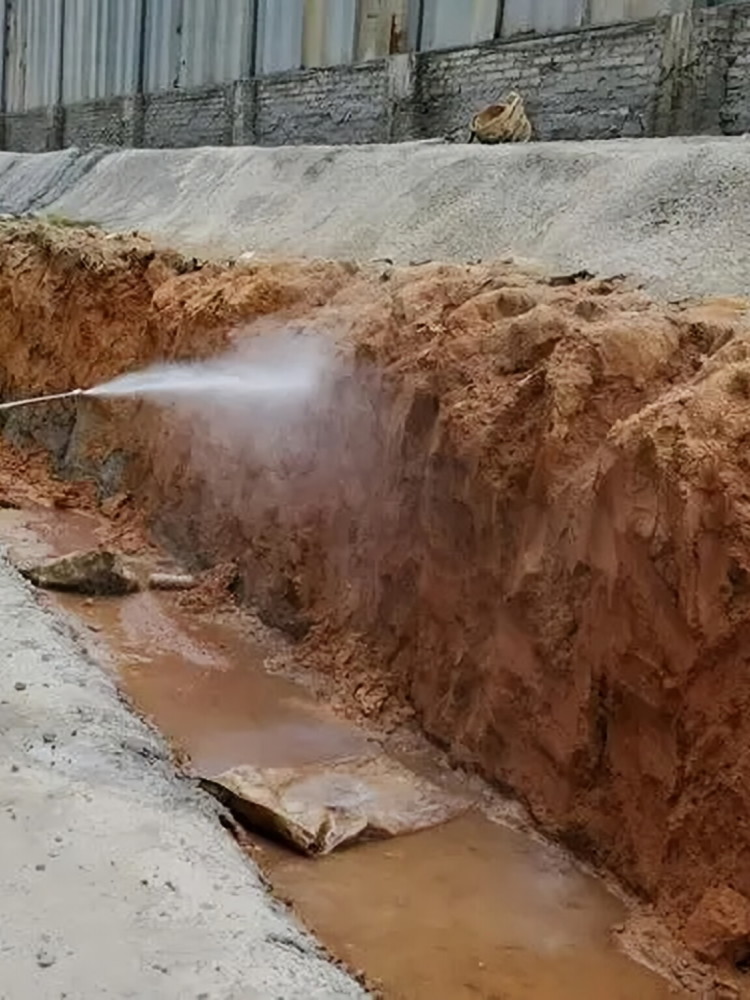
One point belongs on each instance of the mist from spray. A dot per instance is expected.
(287, 371)
(277, 450)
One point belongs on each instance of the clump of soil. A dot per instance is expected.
(525, 515)
(28, 480)
(213, 591)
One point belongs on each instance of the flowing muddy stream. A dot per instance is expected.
(471, 909)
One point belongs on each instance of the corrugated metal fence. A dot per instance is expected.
(65, 51)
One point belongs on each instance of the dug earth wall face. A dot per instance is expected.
(520, 508)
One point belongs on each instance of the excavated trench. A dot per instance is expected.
(517, 516)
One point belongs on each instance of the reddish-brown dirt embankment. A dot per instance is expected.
(534, 528)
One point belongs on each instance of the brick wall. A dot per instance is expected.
(670, 75)
(97, 123)
(200, 117)
(594, 84)
(30, 131)
(342, 104)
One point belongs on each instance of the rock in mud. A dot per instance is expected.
(98, 572)
(320, 807)
(719, 927)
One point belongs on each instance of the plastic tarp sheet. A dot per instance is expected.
(320, 807)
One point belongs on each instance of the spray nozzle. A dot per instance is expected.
(70, 394)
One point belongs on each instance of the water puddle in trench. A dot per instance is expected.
(467, 910)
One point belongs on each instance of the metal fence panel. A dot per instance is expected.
(215, 41)
(279, 35)
(521, 16)
(382, 28)
(191, 43)
(607, 11)
(446, 23)
(328, 34)
(123, 46)
(33, 53)
(100, 48)
(161, 59)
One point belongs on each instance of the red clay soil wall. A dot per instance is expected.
(537, 534)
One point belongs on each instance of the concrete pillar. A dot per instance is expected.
(693, 72)
(244, 113)
(400, 89)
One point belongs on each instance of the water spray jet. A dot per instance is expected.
(292, 372)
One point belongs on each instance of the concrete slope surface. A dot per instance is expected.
(116, 879)
(672, 212)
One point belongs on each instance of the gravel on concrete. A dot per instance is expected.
(674, 213)
(116, 879)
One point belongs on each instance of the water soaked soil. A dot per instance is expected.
(468, 910)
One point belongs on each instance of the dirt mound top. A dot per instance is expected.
(520, 508)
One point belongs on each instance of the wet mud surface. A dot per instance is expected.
(468, 909)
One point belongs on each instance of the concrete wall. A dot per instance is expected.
(677, 74)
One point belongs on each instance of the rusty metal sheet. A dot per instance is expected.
(382, 28)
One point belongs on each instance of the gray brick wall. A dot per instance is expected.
(30, 131)
(97, 123)
(177, 118)
(658, 77)
(342, 104)
(583, 85)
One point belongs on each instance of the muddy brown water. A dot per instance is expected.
(471, 909)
